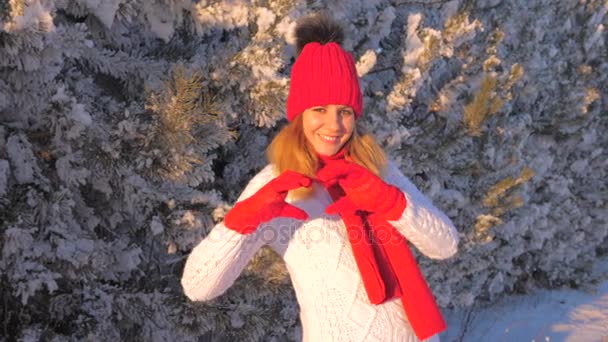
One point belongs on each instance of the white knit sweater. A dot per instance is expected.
(317, 252)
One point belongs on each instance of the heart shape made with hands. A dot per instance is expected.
(364, 190)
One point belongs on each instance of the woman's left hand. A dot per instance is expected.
(364, 189)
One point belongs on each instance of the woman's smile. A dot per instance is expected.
(330, 139)
(327, 128)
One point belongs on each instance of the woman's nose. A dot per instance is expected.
(333, 119)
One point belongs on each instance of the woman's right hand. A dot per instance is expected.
(267, 203)
(363, 189)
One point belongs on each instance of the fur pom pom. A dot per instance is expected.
(319, 28)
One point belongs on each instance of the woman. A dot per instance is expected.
(335, 210)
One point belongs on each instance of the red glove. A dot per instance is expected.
(364, 189)
(267, 203)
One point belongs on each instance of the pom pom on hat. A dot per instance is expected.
(323, 72)
(318, 28)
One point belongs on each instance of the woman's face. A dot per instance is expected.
(327, 128)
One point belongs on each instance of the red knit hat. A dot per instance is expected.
(323, 74)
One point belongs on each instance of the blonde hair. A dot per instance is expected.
(290, 150)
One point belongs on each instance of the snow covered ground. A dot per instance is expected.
(558, 315)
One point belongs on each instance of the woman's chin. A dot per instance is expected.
(325, 151)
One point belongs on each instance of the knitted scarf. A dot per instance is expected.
(387, 267)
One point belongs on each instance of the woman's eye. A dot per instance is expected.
(347, 112)
(319, 109)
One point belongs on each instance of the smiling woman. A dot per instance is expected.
(349, 214)
(322, 131)
(328, 127)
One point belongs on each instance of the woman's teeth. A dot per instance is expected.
(329, 139)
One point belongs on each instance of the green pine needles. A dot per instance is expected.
(177, 111)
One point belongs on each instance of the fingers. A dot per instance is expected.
(357, 176)
(333, 171)
(293, 212)
(290, 180)
(340, 171)
(341, 206)
(332, 209)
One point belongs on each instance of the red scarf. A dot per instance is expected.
(387, 267)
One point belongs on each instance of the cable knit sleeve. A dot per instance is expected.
(422, 224)
(217, 261)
